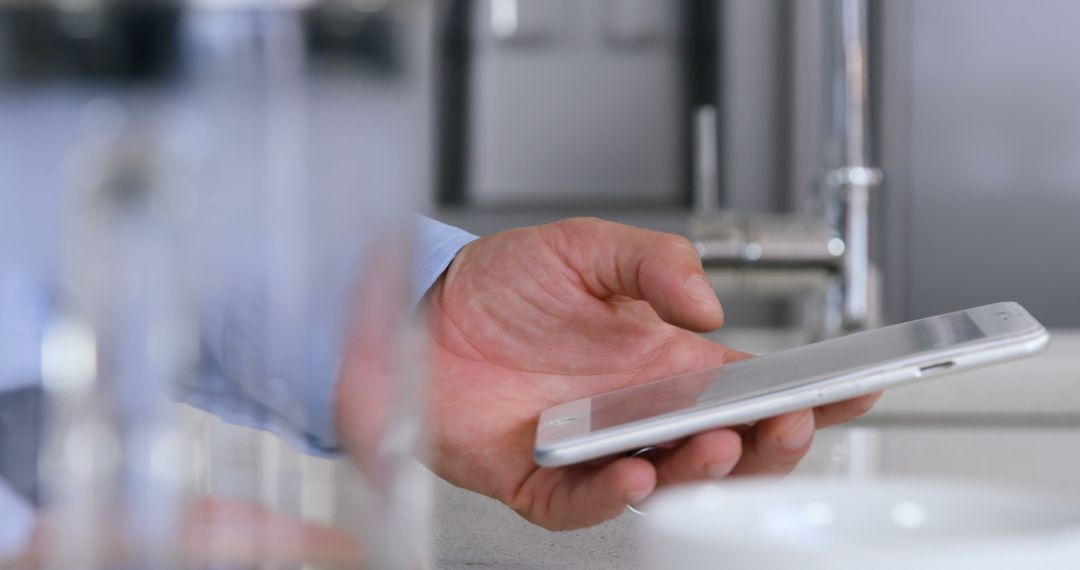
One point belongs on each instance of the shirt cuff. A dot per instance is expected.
(436, 246)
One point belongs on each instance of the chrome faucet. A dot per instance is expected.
(823, 256)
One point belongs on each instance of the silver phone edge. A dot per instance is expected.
(569, 452)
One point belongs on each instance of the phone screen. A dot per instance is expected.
(783, 370)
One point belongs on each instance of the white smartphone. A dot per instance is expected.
(749, 390)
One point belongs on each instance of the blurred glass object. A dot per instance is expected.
(850, 453)
(215, 198)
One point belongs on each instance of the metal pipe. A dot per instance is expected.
(837, 245)
(726, 238)
(768, 240)
(706, 162)
(855, 177)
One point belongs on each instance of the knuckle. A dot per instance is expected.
(580, 223)
(677, 243)
(580, 230)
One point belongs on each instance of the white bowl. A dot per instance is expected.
(881, 525)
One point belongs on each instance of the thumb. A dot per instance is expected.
(663, 269)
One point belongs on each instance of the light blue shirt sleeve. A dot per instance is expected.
(231, 387)
(437, 245)
(16, 523)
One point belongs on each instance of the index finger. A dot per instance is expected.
(620, 260)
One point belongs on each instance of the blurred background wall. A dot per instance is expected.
(991, 170)
(550, 108)
(542, 109)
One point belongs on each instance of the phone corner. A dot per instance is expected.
(545, 457)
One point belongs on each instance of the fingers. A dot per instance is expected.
(663, 269)
(709, 455)
(776, 445)
(595, 495)
(771, 447)
(840, 412)
(601, 493)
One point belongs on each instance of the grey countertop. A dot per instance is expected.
(471, 531)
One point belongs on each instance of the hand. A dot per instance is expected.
(534, 317)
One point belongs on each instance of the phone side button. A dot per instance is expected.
(937, 368)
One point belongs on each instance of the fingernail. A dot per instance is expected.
(698, 288)
(799, 435)
(635, 497)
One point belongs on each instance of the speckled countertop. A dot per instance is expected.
(476, 532)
